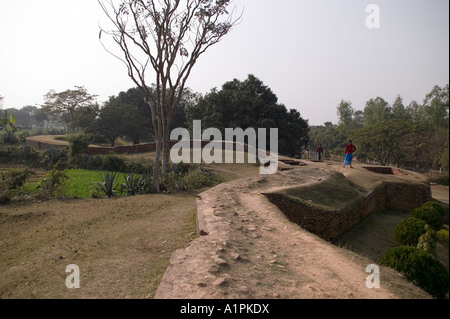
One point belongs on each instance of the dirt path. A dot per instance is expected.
(440, 192)
(250, 250)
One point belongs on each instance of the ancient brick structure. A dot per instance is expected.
(329, 224)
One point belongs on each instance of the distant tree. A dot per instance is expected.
(142, 126)
(333, 138)
(188, 99)
(345, 113)
(293, 133)
(381, 142)
(414, 111)
(65, 104)
(357, 121)
(1, 102)
(376, 110)
(22, 119)
(251, 104)
(434, 148)
(444, 161)
(85, 118)
(40, 118)
(31, 111)
(399, 111)
(436, 107)
(118, 119)
(168, 36)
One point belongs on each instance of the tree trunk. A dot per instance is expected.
(166, 155)
(156, 165)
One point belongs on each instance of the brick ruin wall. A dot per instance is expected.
(329, 225)
(132, 149)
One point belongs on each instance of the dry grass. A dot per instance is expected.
(122, 246)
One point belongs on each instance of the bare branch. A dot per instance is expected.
(169, 35)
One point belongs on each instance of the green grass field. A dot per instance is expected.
(81, 183)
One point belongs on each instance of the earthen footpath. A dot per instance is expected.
(248, 249)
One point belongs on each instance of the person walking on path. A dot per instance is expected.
(349, 154)
(319, 152)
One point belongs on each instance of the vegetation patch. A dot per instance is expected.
(409, 231)
(420, 267)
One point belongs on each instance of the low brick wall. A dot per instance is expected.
(133, 149)
(329, 225)
(385, 170)
(406, 197)
(42, 146)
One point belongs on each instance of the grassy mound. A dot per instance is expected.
(335, 193)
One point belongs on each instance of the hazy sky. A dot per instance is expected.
(311, 53)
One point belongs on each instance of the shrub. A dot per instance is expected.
(139, 168)
(427, 241)
(114, 163)
(432, 213)
(5, 196)
(109, 185)
(52, 156)
(443, 181)
(420, 267)
(189, 177)
(16, 178)
(147, 183)
(31, 156)
(94, 162)
(409, 231)
(78, 144)
(174, 183)
(181, 168)
(132, 185)
(53, 184)
(198, 177)
(10, 182)
(443, 235)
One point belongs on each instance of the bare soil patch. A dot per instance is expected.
(122, 246)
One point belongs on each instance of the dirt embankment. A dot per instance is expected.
(248, 248)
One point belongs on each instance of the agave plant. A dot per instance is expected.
(132, 185)
(109, 184)
(146, 183)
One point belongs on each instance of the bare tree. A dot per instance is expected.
(168, 37)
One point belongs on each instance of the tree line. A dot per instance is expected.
(238, 104)
(414, 136)
(126, 115)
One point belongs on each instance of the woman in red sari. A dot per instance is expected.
(349, 154)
